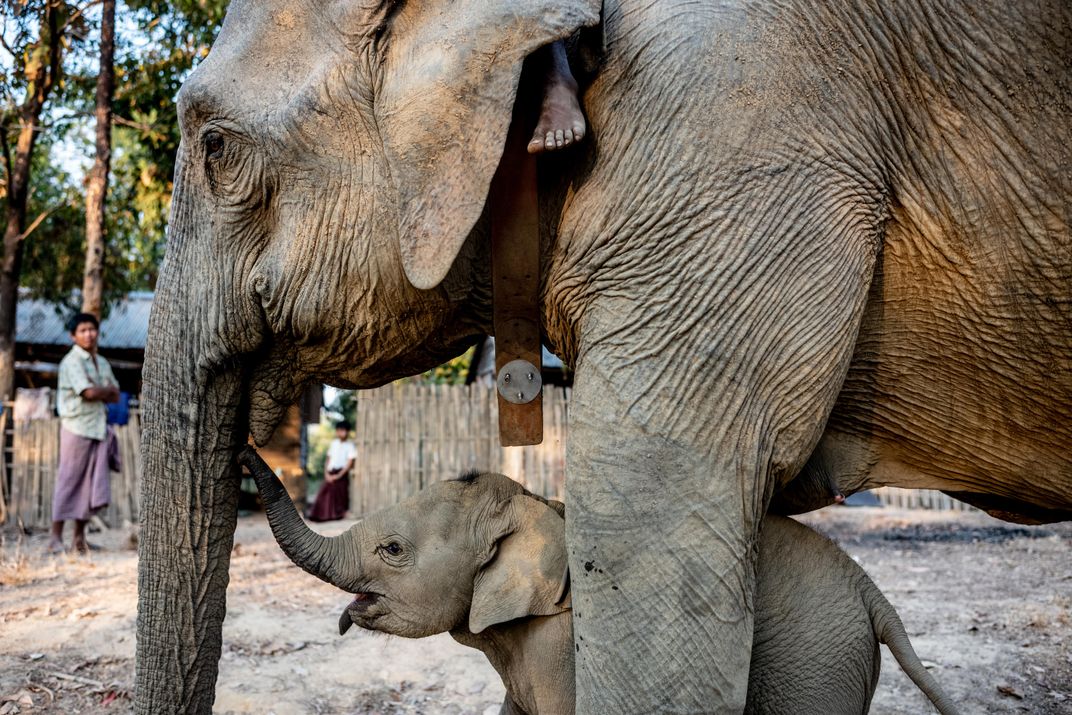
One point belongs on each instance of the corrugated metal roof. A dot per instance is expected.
(125, 328)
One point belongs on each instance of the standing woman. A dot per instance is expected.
(333, 499)
(86, 385)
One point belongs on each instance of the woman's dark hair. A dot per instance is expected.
(343, 424)
(79, 318)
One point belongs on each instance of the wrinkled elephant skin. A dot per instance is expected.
(806, 249)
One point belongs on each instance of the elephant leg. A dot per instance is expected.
(661, 567)
(671, 462)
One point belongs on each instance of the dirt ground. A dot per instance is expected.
(988, 606)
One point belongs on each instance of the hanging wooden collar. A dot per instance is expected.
(515, 262)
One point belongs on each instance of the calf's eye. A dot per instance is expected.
(393, 548)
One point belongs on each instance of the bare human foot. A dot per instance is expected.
(561, 119)
(55, 547)
(84, 547)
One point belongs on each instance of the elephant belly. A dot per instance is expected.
(961, 379)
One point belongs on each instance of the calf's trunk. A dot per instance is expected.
(332, 559)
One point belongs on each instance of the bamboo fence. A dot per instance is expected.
(919, 499)
(409, 436)
(34, 460)
(4, 481)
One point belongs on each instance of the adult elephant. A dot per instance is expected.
(826, 241)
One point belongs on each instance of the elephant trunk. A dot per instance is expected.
(191, 426)
(194, 419)
(331, 559)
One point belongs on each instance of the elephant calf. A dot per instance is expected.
(485, 560)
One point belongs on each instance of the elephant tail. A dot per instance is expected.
(891, 631)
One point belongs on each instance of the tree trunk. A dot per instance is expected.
(38, 87)
(97, 185)
(15, 220)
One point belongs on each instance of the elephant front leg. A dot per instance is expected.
(662, 564)
(671, 464)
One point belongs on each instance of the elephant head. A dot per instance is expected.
(465, 553)
(333, 167)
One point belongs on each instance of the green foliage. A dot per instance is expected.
(54, 254)
(157, 44)
(452, 372)
(40, 35)
(343, 406)
(319, 437)
(26, 48)
(172, 38)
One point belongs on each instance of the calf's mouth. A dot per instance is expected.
(357, 608)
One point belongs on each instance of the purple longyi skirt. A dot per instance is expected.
(332, 500)
(83, 484)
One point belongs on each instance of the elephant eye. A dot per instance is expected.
(214, 145)
(393, 548)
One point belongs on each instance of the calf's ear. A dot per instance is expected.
(524, 573)
(558, 506)
(451, 71)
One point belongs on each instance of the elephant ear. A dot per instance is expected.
(525, 571)
(451, 72)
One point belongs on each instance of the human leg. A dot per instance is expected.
(55, 541)
(79, 540)
(561, 120)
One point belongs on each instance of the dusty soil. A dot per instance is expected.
(988, 606)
